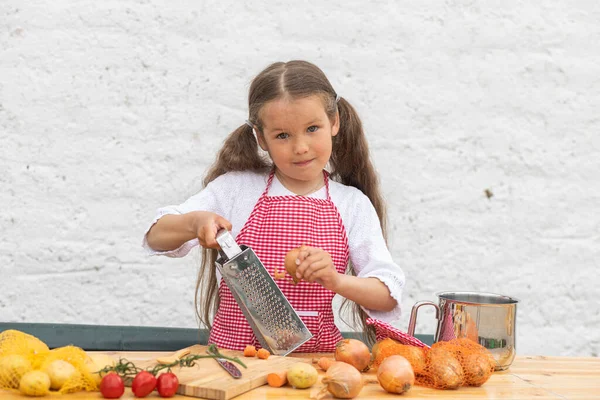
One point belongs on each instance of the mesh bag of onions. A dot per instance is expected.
(446, 365)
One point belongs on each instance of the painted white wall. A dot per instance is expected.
(109, 110)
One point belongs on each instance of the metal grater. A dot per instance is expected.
(274, 321)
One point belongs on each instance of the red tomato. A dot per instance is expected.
(143, 384)
(111, 386)
(167, 384)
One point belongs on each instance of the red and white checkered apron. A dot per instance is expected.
(276, 225)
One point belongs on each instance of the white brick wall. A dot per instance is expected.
(111, 109)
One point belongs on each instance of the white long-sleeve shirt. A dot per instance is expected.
(234, 195)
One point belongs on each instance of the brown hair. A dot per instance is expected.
(350, 161)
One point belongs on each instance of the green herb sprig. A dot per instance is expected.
(127, 369)
(189, 361)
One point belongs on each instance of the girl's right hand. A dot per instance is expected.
(206, 225)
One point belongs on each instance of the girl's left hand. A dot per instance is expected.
(316, 266)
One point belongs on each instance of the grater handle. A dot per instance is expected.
(229, 248)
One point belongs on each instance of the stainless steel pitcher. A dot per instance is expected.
(487, 318)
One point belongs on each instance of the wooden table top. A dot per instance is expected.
(529, 377)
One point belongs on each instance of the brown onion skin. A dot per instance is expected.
(353, 352)
(342, 380)
(478, 368)
(396, 375)
(290, 263)
(444, 369)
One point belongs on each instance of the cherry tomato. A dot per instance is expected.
(167, 384)
(143, 384)
(111, 386)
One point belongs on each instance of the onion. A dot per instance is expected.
(395, 375)
(478, 368)
(444, 369)
(417, 358)
(380, 346)
(290, 263)
(342, 380)
(353, 352)
(388, 347)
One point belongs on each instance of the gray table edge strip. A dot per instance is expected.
(126, 338)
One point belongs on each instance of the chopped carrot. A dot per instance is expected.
(263, 353)
(325, 363)
(249, 351)
(277, 379)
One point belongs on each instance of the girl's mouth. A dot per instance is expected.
(302, 163)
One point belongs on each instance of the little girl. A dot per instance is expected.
(287, 200)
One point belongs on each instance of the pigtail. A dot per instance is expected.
(351, 165)
(239, 153)
(351, 161)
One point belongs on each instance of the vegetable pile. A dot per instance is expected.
(28, 366)
(145, 381)
(447, 365)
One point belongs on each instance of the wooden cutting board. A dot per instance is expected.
(207, 379)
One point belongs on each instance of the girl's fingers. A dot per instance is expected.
(315, 270)
(207, 237)
(304, 252)
(305, 261)
(221, 222)
(313, 262)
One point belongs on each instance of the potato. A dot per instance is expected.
(59, 372)
(12, 368)
(25, 344)
(302, 375)
(35, 383)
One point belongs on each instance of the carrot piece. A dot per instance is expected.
(277, 379)
(263, 354)
(249, 351)
(325, 363)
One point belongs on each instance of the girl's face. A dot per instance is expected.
(297, 135)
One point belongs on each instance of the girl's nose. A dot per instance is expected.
(300, 146)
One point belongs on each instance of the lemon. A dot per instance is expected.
(12, 368)
(35, 383)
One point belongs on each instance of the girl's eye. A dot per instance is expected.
(313, 128)
(282, 135)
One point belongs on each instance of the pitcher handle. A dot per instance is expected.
(412, 324)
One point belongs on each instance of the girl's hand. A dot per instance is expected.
(316, 266)
(206, 225)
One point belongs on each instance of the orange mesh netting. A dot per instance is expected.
(446, 365)
(28, 365)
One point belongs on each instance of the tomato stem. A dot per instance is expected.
(189, 361)
(126, 368)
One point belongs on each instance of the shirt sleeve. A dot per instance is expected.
(206, 200)
(370, 256)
